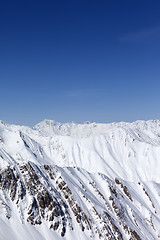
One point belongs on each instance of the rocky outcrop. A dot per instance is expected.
(70, 198)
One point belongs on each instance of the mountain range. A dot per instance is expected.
(80, 181)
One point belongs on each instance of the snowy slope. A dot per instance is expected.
(80, 181)
(129, 151)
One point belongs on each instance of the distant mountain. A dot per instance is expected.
(80, 181)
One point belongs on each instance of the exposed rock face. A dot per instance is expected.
(68, 199)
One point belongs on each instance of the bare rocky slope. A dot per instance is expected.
(80, 181)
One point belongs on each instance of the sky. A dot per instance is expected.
(81, 60)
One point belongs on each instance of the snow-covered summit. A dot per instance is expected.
(51, 127)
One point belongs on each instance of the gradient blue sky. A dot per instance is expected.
(79, 60)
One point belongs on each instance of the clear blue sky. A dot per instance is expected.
(79, 60)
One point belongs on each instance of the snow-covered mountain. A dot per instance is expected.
(80, 181)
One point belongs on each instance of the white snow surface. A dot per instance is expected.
(130, 151)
